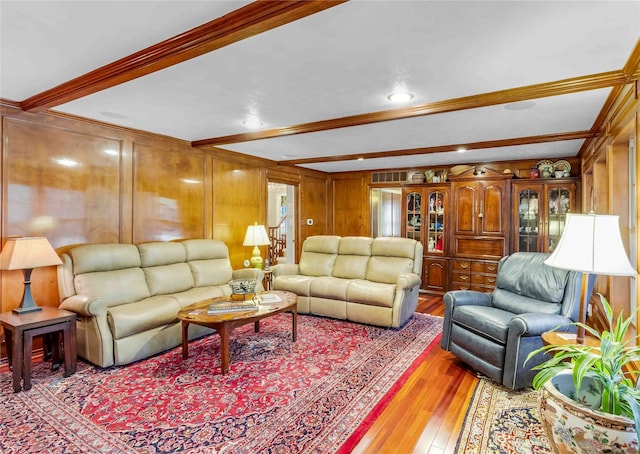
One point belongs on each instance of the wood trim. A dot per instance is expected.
(250, 20)
(448, 148)
(560, 87)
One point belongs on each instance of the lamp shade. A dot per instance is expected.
(27, 253)
(591, 243)
(256, 236)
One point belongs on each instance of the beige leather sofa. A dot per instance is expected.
(127, 296)
(362, 279)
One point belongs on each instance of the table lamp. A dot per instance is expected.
(256, 236)
(591, 244)
(26, 254)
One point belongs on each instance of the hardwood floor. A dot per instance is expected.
(426, 415)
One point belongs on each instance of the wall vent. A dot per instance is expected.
(389, 177)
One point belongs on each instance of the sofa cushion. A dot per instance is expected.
(197, 294)
(353, 257)
(319, 255)
(209, 262)
(158, 253)
(526, 274)
(387, 269)
(114, 287)
(104, 257)
(298, 284)
(167, 279)
(372, 293)
(132, 318)
(329, 287)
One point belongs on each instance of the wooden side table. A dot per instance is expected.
(564, 338)
(20, 329)
(267, 279)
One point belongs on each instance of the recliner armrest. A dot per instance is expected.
(466, 297)
(535, 324)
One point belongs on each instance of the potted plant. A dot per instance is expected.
(589, 402)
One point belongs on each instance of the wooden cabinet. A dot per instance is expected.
(539, 212)
(480, 215)
(426, 219)
(435, 275)
(478, 275)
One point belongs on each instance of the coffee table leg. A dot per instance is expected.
(256, 327)
(294, 325)
(185, 339)
(223, 331)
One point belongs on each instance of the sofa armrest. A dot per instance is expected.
(248, 273)
(406, 298)
(85, 305)
(408, 280)
(283, 269)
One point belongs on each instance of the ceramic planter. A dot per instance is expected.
(572, 425)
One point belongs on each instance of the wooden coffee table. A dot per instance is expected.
(225, 323)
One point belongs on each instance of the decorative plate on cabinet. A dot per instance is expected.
(562, 165)
(545, 164)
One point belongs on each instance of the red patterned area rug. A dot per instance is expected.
(317, 395)
(500, 420)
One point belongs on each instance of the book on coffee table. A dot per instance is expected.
(269, 298)
(222, 308)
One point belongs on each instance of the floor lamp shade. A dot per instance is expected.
(256, 236)
(26, 254)
(591, 244)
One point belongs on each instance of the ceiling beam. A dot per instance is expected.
(574, 135)
(560, 87)
(250, 20)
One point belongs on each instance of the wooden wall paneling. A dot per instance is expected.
(169, 193)
(315, 203)
(350, 205)
(239, 200)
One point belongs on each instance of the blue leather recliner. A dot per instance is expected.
(495, 332)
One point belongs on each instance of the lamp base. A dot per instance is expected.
(256, 259)
(27, 304)
(25, 310)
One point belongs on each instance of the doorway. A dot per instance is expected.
(281, 222)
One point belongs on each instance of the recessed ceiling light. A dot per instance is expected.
(522, 105)
(400, 96)
(360, 159)
(252, 123)
(461, 150)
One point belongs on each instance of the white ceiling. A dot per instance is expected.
(340, 62)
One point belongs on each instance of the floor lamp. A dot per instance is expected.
(591, 243)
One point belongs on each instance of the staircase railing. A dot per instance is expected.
(278, 240)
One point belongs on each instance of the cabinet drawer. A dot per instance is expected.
(478, 278)
(490, 281)
(477, 267)
(461, 277)
(460, 286)
(491, 267)
(462, 265)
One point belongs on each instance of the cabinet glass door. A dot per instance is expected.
(414, 215)
(559, 202)
(528, 220)
(436, 223)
